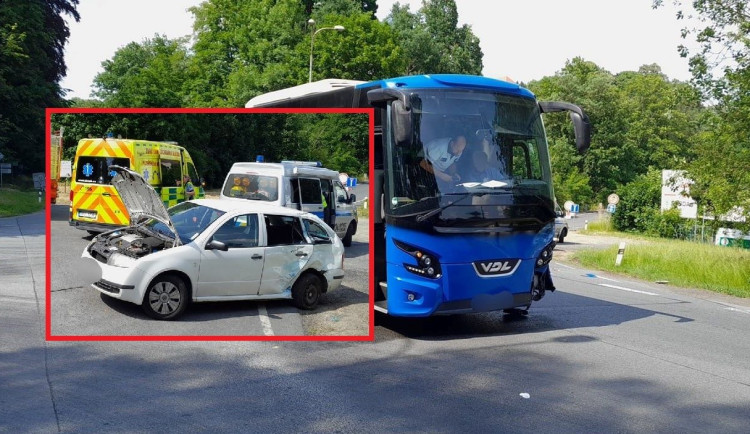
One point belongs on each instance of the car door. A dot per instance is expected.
(238, 270)
(286, 254)
(344, 209)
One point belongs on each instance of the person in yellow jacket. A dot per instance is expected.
(237, 190)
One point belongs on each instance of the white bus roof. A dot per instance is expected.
(321, 86)
(288, 169)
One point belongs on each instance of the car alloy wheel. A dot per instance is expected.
(166, 298)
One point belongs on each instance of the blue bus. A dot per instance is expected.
(464, 207)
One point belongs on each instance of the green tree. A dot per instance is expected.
(721, 68)
(366, 50)
(154, 73)
(640, 119)
(318, 9)
(640, 201)
(246, 47)
(432, 40)
(33, 34)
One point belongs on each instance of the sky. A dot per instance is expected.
(524, 40)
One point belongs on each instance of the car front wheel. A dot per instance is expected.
(166, 298)
(306, 292)
(562, 236)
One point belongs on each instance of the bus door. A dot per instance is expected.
(344, 208)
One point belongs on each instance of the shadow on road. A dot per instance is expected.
(570, 311)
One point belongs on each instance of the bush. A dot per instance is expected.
(639, 201)
(665, 224)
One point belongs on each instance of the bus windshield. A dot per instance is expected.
(476, 157)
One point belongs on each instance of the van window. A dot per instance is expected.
(283, 230)
(340, 192)
(310, 190)
(194, 178)
(95, 170)
(253, 187)
(171, 175)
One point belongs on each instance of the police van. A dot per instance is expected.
(296, 184)
(95, 205)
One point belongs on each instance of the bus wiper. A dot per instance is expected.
(429, 214)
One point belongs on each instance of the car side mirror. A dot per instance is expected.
(352, 198)
(216, 245)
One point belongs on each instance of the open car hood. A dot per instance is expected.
(140, 199)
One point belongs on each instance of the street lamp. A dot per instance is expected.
(311, 22)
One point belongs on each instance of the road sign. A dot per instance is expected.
(611, 208)
(65, 169)
(39, 180)
(613, 199)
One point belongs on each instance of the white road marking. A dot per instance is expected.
(265, 321)
(626, 289)
(734, 309)
(566, 266)
(607, 278)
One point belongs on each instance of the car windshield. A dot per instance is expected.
(189, 220)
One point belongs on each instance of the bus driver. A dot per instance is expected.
(441, 156)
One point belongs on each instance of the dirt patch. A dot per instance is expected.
(346, 310)
(576, 241)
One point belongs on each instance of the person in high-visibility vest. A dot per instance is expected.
(237, 190)
(189, 189)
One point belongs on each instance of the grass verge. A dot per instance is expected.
(18, 202)
(681, 263)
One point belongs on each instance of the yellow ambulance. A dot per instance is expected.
(95, 205)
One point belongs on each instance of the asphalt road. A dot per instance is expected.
(79, 310)
(601, 354)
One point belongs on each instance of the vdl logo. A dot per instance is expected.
(496, 267)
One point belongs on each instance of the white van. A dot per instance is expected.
(299, 185)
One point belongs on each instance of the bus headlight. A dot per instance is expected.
(545, 256)
(426, 265)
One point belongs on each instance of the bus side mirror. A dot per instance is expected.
(402, 125)
(581, 124)
(400, 112)
(582, 130)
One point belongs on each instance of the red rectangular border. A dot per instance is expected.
(48, 217)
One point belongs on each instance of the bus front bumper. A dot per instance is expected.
(458, 290)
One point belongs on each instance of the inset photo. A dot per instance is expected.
(193, 224)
